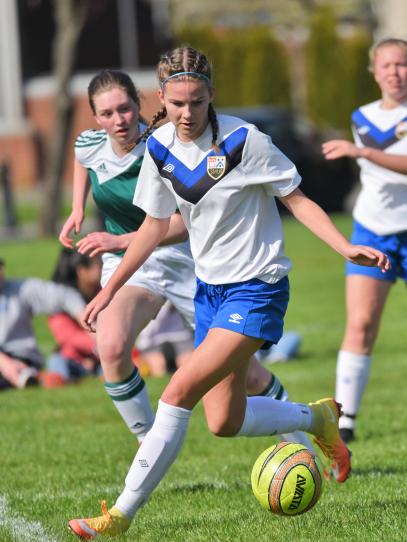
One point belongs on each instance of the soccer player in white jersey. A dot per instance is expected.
(223, 175)
(380, 219)
(109, 161)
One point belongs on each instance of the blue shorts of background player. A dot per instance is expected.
(253, 308)
(394, 245)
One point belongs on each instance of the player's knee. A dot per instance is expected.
(178, 395)
(223, 427)
(362, 331)
(111, 351)
(182, 390)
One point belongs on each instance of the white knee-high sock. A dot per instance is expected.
(154, 457)
(130, 397)
(276, 390)
(297, 437)
(266, 416)
(352, 374)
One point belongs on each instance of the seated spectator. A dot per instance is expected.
(76, 355)
(165, 343)
(20, 300)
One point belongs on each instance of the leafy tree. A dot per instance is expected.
(70, 17)
(265, 70)
(229, 72)
(250, 66)
(360, 83)
(325, 85)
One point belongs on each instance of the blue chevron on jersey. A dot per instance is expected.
(370, 135)
(193, 184)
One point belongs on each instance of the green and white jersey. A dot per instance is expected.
(169, 271)
(113, 179)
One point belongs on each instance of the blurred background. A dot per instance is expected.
(296, 68)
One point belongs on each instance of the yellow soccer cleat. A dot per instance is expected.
(326, 414)
(112, 523)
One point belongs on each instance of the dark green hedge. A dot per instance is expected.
(251, 67)
(337, 77)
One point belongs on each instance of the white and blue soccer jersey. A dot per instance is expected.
(226, 198)
(381, 206)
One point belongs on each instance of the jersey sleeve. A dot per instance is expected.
(86, 146)
(263, 163)
(354, 128)
(152, 194)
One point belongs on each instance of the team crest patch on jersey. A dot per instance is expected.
(401, 129)
(216, 166)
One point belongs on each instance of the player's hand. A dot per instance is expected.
(73, 223)
(338, 148)
(368, 256)
(98, 242)
(92, 309)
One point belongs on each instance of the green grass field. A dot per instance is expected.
(63, 450)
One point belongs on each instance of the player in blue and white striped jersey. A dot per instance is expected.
(380, 218)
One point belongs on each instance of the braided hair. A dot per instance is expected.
(189, 64)
(161, 114)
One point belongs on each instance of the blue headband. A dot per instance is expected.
(196, 74)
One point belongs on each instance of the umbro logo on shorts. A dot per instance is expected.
(143, 462)
(235, 318)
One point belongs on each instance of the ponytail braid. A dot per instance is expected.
(156, 118)
(213, 119)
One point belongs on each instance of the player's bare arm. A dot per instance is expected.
(144, 241)
(318, 222)
(80, 192)
(338, 148)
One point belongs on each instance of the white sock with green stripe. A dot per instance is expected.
(274, 389)
(130, 397)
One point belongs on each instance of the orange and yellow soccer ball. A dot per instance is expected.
(286, 479)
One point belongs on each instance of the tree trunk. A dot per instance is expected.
(70, 16)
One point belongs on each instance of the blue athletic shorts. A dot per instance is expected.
(253, 308)
(394, 246)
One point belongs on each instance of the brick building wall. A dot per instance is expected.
(25, 152)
